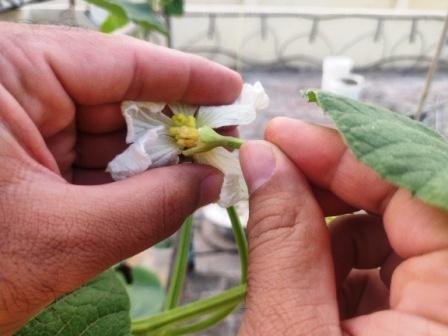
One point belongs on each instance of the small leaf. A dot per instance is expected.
(139, 12)
(101, 307)
(112, 23)
(146, 293)
(401, 150)
(173, 7)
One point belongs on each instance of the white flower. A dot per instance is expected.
(158, 140)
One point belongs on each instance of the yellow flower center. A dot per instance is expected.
(184, 130)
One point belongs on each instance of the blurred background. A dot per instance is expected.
(378, 51)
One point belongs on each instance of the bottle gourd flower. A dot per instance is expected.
(157, 140)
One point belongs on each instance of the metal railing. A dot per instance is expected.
(312, 28)
(295, 48)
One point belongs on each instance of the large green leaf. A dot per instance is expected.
(101, 307)
(146, 293)
(401, 150)
(139, 12)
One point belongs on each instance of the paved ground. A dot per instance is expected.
(217, 265)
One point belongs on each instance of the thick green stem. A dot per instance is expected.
(241, 241)
(189, 311)
(180, 265)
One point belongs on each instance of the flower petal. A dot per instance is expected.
(254, 95)
(226, 115)
(152, 149)
(234, 188)
(184, 109)
(141, 116)
(241, 112)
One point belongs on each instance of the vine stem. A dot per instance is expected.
(241, 241)
(217, 308)
(180, 265)
(197, 308)
(206, 323)
(224, 311)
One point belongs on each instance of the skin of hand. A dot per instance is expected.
(61, 221)
(377, 274)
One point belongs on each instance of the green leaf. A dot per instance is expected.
(146, 293)
(101, 307)
(112, 23)
(139, 12)
(401, 150)
(173, 7)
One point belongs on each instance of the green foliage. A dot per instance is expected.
(173, 7)
(101, 307)
(401, 150)
(140, 13)
(146, 293)
(112, 23)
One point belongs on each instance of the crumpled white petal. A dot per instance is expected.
(254, 95)
(188, 110)
(141, 116)
(153, 149)
(234, 188)
(241, 112)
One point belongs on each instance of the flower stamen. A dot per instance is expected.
(184, 131)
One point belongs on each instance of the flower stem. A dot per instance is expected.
(241, 241)
(180, 265)
(189, 311)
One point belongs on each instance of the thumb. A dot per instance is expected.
(110, 222)
(291, 282)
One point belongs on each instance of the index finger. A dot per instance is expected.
(412, 226)
(98, 69)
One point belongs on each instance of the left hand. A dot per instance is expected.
(60, 120)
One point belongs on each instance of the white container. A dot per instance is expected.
(350, 86)
(335, 67)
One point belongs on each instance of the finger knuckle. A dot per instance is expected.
(275, 216)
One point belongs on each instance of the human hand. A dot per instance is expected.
(60, 94)
(384, 273)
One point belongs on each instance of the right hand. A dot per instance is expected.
(380, 274)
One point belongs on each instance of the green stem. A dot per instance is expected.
(180, 265)
(223, 311)
(210, 139)
(241, 241)
(204, 323)
(231, 296)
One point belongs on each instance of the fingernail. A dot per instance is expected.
(210, 189)
(258, 164)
